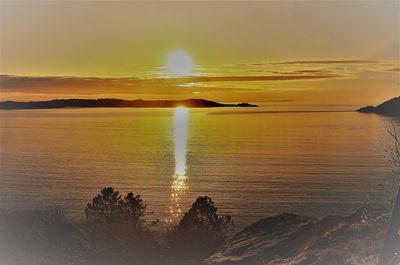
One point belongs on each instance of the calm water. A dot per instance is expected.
(251, 163)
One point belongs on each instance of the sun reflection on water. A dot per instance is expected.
(179, 182)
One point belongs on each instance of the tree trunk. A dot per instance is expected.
(391, 248)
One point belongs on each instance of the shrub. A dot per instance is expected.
(200, 232)
(110, 207)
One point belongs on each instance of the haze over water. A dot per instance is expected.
(252, 163)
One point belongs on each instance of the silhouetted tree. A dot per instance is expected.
(391, 249)
(133, 207)
(110, 207)
(200, 232)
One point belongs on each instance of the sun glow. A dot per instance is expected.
(179, 63)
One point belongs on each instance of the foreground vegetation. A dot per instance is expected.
(115, 232)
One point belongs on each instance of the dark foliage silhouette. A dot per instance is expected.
(110, 207)
(200, 232)
(116, 232)
(201, 237)
(391, 250)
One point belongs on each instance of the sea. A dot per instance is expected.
(253, 162)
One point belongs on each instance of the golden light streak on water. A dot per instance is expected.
(180, 139)
(179, 182)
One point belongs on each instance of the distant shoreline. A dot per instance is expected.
(282, 111)
(116, 103)
(390, 107)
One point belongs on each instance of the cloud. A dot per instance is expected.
(12, 81)
(310, 71)
(255, 78)
(393, 70)
(71, 85)
(324, 68)
(328, 62)
(49, 83)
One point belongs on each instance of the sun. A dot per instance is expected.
(179, 63)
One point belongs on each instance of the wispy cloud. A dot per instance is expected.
(393, 69)
(321, 72)
(254, 78)
(12, 81)
(277, 79)
(328, 62)
(8, 82)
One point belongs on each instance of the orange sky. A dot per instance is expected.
(301, 53)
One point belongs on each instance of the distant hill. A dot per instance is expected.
(116, 103)
(388, 108)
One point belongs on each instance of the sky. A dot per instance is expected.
(319, 53)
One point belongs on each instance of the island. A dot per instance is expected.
(116, 103)
(387, 108)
